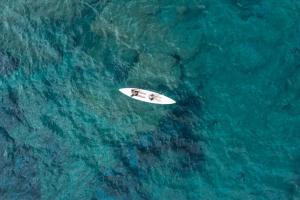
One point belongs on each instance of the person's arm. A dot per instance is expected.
(140, 95)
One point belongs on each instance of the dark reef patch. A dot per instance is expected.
(121, 183)
(51, 125)
(50, 93)
(11, 114)
(177, 58)
(18, 170)
(174, 134)
(8, 63)
(179, 62)
(130, 56)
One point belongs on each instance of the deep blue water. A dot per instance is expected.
(66, 132)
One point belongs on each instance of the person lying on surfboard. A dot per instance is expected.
(153, 96)
(135, 92)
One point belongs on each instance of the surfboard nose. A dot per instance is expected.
(123, 90)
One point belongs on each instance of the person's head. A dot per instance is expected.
(134, 92)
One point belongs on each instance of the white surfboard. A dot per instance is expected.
(146, 96)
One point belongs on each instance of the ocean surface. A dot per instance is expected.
(67, 133)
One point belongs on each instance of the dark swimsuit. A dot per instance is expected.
(135, 93)
(151, 97)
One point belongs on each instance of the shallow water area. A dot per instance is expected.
(67, 133)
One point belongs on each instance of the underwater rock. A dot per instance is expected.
(129, 56)
(18, 170)
(11, 114)
(52, 125)
(174, 134)
(158, 69)
(121, 184)
(8, 63)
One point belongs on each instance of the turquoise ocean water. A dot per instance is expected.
(233, 66)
